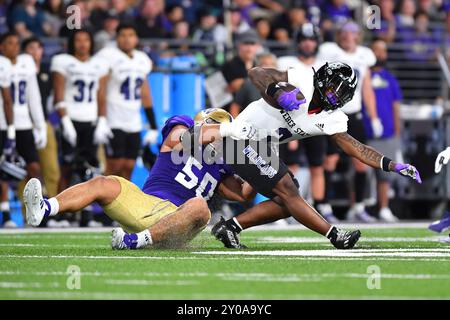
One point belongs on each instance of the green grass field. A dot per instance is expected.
(279, 264)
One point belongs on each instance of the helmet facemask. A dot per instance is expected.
(335, 87)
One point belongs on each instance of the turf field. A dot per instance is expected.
(279, 264)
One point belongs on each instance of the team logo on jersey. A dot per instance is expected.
(320, 126)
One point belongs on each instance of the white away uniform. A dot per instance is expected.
(80, 96)
(5, 82)
(296, 124)
(27, 107)
(127, 74)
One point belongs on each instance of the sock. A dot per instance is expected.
(360, 186)
(234, 224)
(144, 238)
(52, 207)
(330, 232)
(328, 184)
(6, 216)
(4, 208)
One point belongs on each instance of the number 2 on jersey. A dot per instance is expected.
(130, 93)
(189, 180)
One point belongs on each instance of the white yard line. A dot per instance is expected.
(367, 254)
(405, 224)
(80, 294)
(416, 253)
(324, 240)
(241, 276)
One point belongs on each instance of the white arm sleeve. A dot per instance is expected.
(35, 102)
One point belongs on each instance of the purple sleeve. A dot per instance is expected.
(176, 121)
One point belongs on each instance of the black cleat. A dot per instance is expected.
(343, 239)
(222, 231)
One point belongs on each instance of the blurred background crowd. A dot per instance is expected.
(204, 36)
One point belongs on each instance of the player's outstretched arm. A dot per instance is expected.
(372, 157)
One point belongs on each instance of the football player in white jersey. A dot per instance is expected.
(360, 58)
(284, 111)
(29, 122)
(8, 141)
(319, 150)
(79, 84)
(128, 90)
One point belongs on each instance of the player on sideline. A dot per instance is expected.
(29, 122)
(443, 224)
(8, 140)
(283, 109)
(128, 90)
(171, 208)
(79, 83)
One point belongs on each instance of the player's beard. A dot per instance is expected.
(305, 54)
(380, 63)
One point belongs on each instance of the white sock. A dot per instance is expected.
(53, 206)
(4, 206)
(328, 232)
(237, 223)
(359, 207)
(144, 239)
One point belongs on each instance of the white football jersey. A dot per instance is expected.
(361, 60)
(5, 82)
(293, 125)
(124, 87)
(300, 74)
(5, 72)
(25, 94)
(81, 85)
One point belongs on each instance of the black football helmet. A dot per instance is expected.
(334, 85)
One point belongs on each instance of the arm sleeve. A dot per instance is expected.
(35, 102)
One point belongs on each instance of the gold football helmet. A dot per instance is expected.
(213, 115)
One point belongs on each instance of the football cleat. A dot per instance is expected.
(36, 206)
(223, 232)
(121, 240)
(343, 239)
(441, 225)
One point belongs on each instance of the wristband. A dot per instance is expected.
(61, 105)
(385, 161)
(11, 132)
(150, 114)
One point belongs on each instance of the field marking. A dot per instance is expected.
(324, 240)
(400, 225)
(140, 282)
(324, 255)
(240, 276)
(22, 285)
(202, 296)
(409, 253)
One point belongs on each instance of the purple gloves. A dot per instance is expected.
(288, 100)
(10, 145)
(408, 170)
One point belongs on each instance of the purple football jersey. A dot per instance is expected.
(179, 181)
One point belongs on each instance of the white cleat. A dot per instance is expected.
(117, 239)
(34, 202)
(386, 215)
(10, 225)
